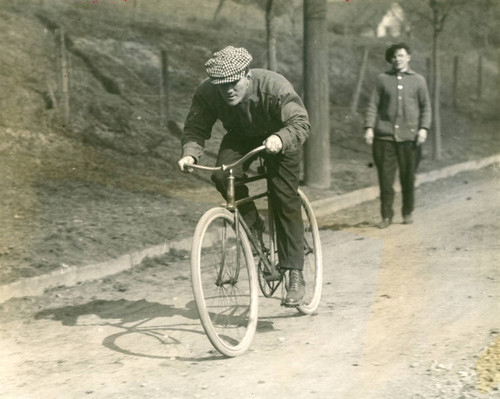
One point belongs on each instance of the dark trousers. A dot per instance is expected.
(283, 182)
(388, 156)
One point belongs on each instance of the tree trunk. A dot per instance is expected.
(272, 63)
(436, 79)
(316, 94)
(428, 72)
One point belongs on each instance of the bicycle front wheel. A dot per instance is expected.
(313, 261)
(224, 282)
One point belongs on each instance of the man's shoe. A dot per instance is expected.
(384, 223)
(296, 288)
(407, 219)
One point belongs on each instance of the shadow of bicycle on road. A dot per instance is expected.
(145, 332)
(124, 310)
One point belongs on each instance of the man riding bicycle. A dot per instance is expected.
(255, 106)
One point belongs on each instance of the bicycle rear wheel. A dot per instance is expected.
(313, 261)
(224, 282)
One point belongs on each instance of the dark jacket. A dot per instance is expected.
(271, 106)
(399, 106)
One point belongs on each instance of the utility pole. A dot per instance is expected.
(316, 95)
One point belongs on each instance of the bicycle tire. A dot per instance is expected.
(313, 260)
(226, 296)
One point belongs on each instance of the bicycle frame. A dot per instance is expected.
(232, 206)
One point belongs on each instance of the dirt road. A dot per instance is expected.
(407, 312)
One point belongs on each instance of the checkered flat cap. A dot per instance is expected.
(228, 65)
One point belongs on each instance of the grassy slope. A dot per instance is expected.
(109, 183)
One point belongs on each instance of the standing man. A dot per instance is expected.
(397, 121)
(256, 107)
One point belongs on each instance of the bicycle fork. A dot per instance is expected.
(222, 266)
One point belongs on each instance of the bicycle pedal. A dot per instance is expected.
(270, 277)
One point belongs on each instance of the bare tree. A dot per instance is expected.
(436, 13)
(438, 19)
(440, 10)
(272, 9)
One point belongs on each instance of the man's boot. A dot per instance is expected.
(296, 288)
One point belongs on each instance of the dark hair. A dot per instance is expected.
(389, 53)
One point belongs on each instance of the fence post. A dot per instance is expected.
(359, 85)
(164, 98)
(480, 77)
(455, 81)
(64, 78)
(428, 72)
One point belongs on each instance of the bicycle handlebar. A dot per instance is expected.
(230, 166)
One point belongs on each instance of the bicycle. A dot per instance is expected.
(225, 280)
